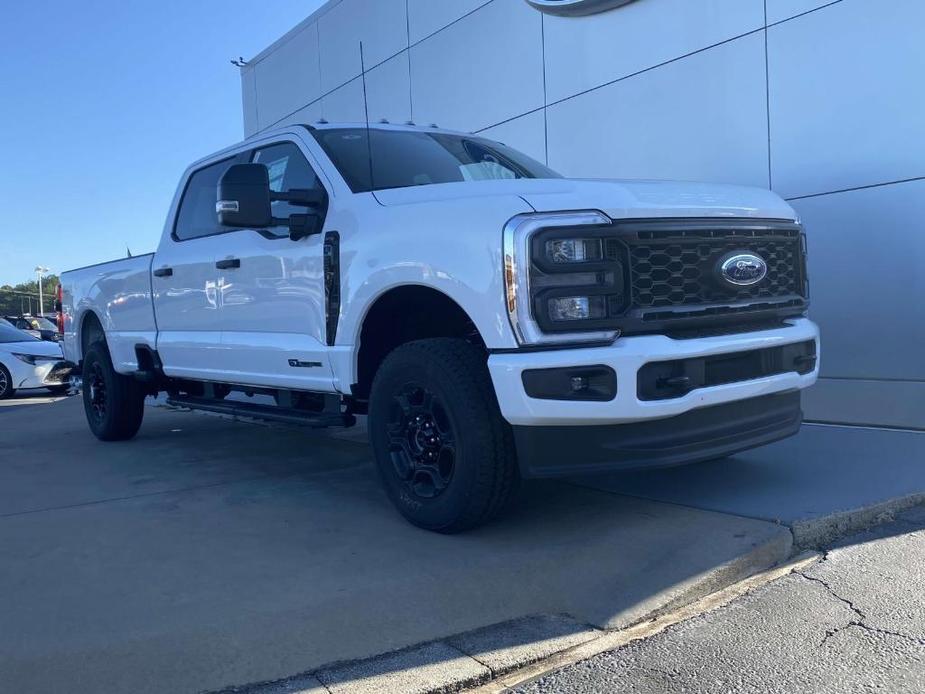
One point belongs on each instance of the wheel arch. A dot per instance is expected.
(402, 314)
(90, 330)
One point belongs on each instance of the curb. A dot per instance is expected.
(482, 656)
(494, 659)
(819, 532)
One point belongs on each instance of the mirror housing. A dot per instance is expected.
(304, 225)
(244, 197)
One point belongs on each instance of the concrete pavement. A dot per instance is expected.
(854, 621)
(208, 553)
(826, 482)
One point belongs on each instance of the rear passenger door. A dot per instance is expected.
(187, 301)
(272, 299)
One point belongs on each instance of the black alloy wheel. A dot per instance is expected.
(96, 387)
(422, 444)
(444, 452)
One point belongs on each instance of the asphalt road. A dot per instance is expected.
(855, 621)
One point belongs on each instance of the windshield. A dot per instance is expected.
(40, 323)
(403, 158)
(10, 334)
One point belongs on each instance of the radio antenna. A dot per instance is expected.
(369, 139)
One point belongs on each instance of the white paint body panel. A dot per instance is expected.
(119, 293)
(626, 356)
(243, 325)
(24, 376)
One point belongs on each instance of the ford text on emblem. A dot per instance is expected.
(741, 268)
(575, 8)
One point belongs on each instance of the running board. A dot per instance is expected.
(271, 413)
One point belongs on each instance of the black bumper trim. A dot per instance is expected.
(701, 434)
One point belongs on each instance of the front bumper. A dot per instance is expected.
(45, 374)
(566, 437)
(626, 357)
(701, 434)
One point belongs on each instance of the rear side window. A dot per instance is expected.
(197, 215)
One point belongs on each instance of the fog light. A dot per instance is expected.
(571, 383)
(569, 308)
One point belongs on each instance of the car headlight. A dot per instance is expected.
(564, 280)
(34, 359)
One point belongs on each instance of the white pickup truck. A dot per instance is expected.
(495, 320)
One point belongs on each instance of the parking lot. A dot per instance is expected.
(210, 553)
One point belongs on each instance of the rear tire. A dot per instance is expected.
(114, 404)
(445, 454)
(6, 384)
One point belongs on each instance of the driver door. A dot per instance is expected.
(272, 290)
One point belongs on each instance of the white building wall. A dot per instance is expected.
(819, 100)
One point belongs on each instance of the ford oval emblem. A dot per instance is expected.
(576, 8)
(742, 269)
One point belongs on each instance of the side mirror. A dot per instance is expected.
(244, 197)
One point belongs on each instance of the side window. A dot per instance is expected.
(288, 170)
(197, 207)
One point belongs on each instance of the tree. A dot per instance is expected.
(24, 297)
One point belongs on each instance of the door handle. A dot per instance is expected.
(228, 263)
(163, 272)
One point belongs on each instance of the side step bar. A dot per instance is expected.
(316, 420)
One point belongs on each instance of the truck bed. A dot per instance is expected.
(119, 293)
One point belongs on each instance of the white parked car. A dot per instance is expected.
(27, 362)
(495, 320)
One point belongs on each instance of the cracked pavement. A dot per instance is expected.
(854, 621)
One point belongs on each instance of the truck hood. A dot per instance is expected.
(616, 198)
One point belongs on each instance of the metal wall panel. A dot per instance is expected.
(381, 25)
(702, 118)
(388, 88)
(867, 279)
(249, 101)
(527, 134)
(428, 16)
(586, 52)
(484, 69)
(288, 78)
(304, 116)
(846, 103)
(779, 10)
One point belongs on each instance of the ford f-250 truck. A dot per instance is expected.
(495, 320)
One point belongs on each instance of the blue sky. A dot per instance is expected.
(103, 105)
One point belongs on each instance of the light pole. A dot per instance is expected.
(39, 270)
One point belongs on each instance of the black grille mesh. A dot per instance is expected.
(677, 269)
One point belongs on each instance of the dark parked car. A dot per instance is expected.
(37, 326)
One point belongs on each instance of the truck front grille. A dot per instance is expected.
(672, 276)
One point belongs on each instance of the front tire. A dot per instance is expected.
(444, 452)
(114, 404)
(6, 383)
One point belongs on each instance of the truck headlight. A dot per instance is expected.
(564, 281)
(574, 250)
